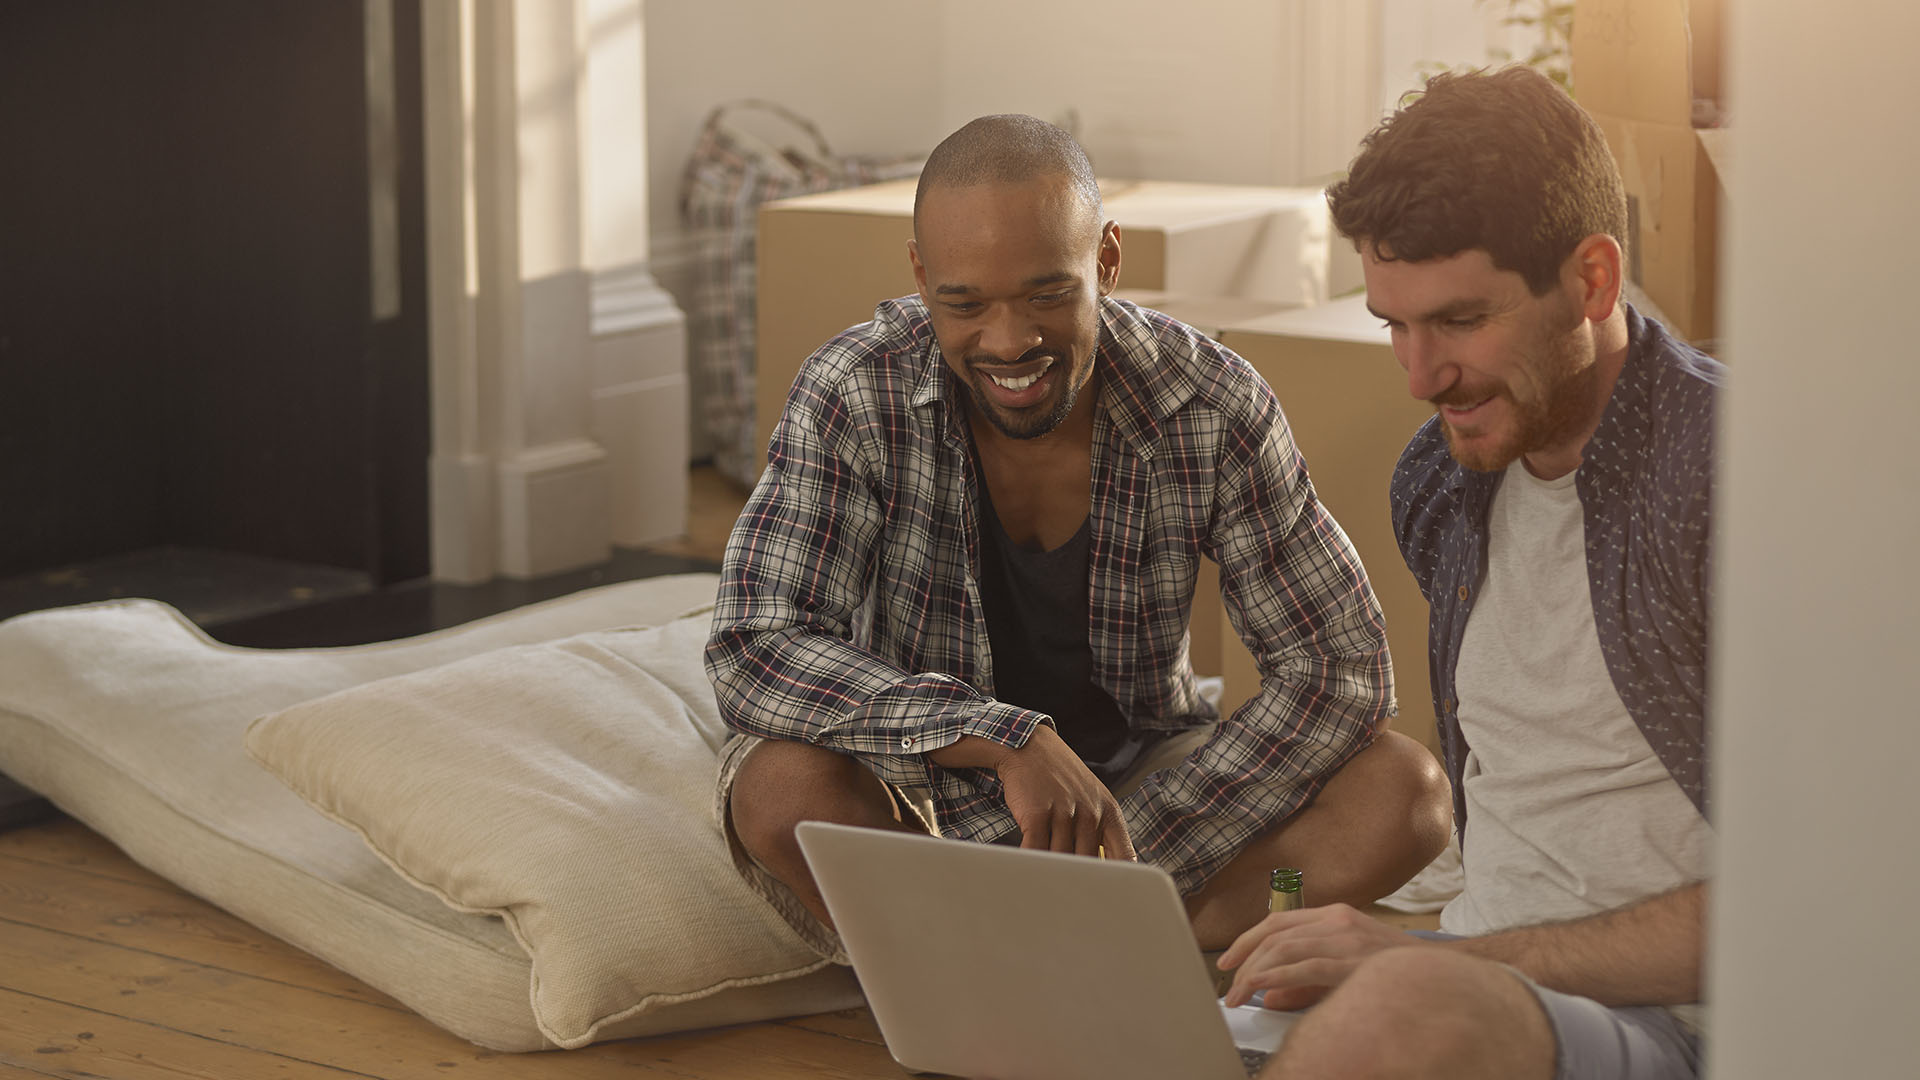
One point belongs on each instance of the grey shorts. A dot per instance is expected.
(916, 808)
(1602, 1042)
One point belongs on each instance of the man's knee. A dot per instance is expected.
(1399, 791)
(1424, 1011)
(781, 784)
(1416, 981)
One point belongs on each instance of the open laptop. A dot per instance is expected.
(986, 961)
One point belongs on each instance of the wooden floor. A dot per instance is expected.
(108, 971)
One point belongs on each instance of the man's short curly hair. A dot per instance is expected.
(1502, 161)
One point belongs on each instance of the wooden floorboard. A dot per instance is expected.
(713, 505)
(62, 841)
(854, 1024)
(159, 919)
(61, 1039)
(108, 971)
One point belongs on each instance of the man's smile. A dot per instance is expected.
(1020, 383)
(1017, 385)
(1455, 413)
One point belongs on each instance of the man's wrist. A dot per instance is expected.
(1507, 947)
(987, 737)
(972, 752)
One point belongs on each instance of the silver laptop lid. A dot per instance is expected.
(981, 960)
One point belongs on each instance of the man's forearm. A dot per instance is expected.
(1649, 953)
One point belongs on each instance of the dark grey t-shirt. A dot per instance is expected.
(1036, 609)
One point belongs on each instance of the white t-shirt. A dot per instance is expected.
(1569, 811)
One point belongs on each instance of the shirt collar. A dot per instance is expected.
(1141, 387)
(931, 383)
(1628, 417)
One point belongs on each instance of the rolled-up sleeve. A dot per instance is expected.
(783, 656)
(1296, 593)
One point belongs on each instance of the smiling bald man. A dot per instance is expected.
(957, 600)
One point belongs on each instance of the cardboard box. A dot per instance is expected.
(1638, 67)
(1207, 314)
(1346, 400)
(825, 260)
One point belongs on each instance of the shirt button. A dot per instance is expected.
(1447, 706)
(1463, 592)
(906, 742)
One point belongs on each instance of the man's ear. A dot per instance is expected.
(1109, 257)
(919, 271)
(1595, 268)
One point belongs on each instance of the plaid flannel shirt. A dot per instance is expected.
(849, 616)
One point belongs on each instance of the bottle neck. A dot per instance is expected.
(1285, 894)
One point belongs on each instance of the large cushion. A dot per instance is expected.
(132, 720)
(567, 787)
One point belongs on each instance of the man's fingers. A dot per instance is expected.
(1249, 940)
(1294, 997)
(1078, 832)
(1113, 836)
(1297, 956)
(1089, 832)
(1036, 831)
(1287, 982)
(1065, 837)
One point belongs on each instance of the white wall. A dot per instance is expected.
(1815, 967)
(1418, 37)
(1186, 91)
(1222, 91)
(1204, 90)
(866, 72)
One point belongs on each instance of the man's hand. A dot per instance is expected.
(1297, 956)
(1059, 803)
(1648, 953)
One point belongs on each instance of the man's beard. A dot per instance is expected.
(1027, 423)
(1566, 387)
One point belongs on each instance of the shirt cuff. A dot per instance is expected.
(1008, 725)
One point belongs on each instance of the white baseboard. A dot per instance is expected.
(553, 509)
(462, 518)
(644, 429)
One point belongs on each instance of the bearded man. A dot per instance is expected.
(1555, 512)
(957, 599)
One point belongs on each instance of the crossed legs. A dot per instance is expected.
(1377, 821)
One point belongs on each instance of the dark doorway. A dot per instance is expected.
(213, 346)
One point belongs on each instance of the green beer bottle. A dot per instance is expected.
(1285, 894)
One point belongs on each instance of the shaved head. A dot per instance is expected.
(1012, 262)
(1008, 149)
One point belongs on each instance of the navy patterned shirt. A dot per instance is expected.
(849, 612)
(1646, 494)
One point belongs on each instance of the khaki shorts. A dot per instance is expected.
(917, 809)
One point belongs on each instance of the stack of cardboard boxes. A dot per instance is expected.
(1648, 71)
(825, 260)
